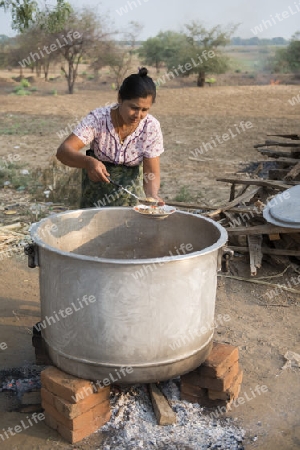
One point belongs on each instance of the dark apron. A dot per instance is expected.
(103, 194)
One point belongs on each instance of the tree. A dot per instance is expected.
(204, 47)
(23, 12)
(163, 47)
(152, 52)
(287, 59)
(117, 55)
(193, 50)
(72, 45)
(26, 13)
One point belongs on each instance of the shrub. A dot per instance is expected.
(22, 92)
(184, 195)
(24, 83)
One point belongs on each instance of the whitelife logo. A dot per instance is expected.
(129, 6)
(12, 431)
(294, 100)
(53, 47)
(279, 17)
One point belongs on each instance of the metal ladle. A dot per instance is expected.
(141, 200)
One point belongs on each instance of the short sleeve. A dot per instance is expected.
(154, 144)
(88, 128)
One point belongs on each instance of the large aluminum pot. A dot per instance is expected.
(126, 296)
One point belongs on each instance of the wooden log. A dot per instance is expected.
(163, 411)
(267, 251)
(241, 198)
(261, 229)
(258, 182)
(31, 398)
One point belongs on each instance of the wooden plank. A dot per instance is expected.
(258, 182)
(232, 192)
(294, 137)
(261, 229)
(277, 154)
(293, 173)
(241, 198)
(269, 143)
(191, 205)
(280, 160)
(254, 243)
(163, 411)
(267, 251)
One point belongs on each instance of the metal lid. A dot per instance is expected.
(284, 209)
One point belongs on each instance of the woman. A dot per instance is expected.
(125, 145)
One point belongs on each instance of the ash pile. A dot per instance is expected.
(133, 424)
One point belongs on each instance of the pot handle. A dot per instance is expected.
(31, 250)
(224, 256)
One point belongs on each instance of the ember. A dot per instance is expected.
(20, 380)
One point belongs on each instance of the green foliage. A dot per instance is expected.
(162, 48)
(256, 41)
(53, 20)
(189, 47)
(23, 12)
(24, 83)
(287, 59)
(53, 92)
(19, 90)
(23, 92)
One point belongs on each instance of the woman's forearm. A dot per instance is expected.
(69, 153)
(151, 177)
(71, 157)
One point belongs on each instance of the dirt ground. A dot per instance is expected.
(263, 328)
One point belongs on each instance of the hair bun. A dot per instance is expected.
(143, 72)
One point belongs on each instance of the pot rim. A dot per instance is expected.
(162, 259)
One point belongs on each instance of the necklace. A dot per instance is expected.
(118, 126)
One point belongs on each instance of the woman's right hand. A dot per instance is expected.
(96, 170)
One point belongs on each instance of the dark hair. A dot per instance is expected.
(138, 85)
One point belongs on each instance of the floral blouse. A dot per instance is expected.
(97, 130)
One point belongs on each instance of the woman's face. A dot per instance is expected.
(133, 111)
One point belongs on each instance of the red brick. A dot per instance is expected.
(222, 383)
(191, 378)
(71, 410)
(219, 361)
(79, 422)
(231, 393)
(190, 389)
(67, 386)
(73, 436)
(216, 383)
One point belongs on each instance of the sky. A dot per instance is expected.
(261, 18)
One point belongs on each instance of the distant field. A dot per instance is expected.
(250, 57)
